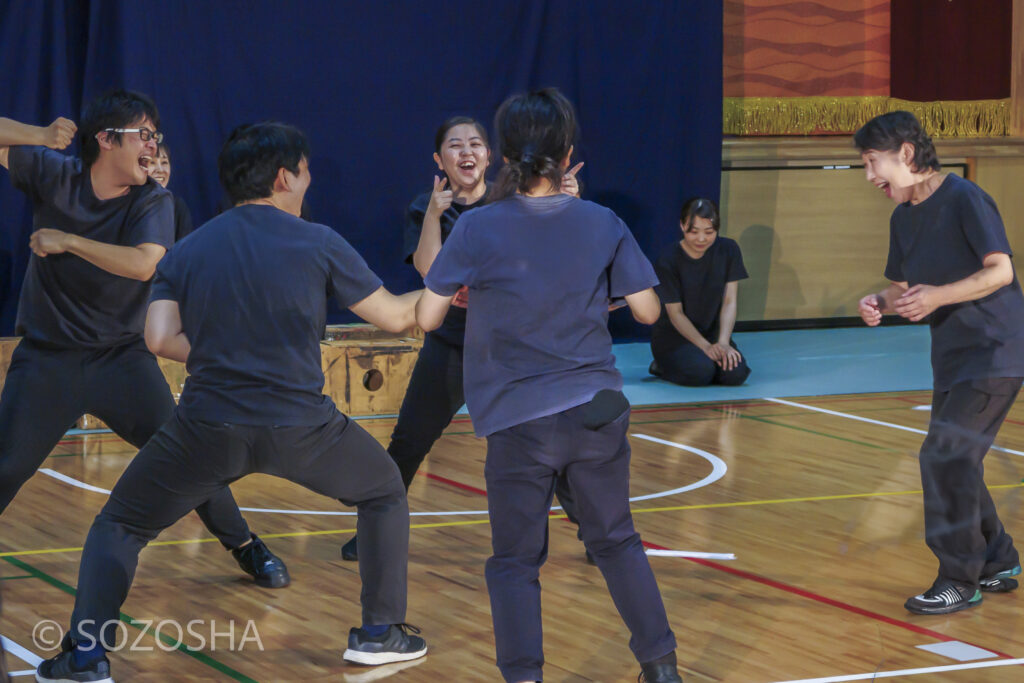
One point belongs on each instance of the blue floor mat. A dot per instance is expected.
(798, 363)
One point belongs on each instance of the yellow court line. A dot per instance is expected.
(290, 534)
(472, 522)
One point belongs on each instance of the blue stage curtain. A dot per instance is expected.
(370, 82)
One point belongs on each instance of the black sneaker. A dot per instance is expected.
(661, 670)
(654, 369)
(396, 645)
(1000, 582)
(264, 566)
(944, 597)
(62, 669)
(350, 551)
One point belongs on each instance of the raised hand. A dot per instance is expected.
(870, 310)
(570, 185)
(59, 134)
(440, 198)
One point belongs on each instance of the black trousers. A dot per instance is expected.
(48, 389)
(961, 525)
(523, 464)
(688, 365)
(434, 395)
(187, 461)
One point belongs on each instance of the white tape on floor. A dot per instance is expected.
(868, 420)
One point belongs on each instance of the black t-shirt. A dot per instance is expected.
(252, 287)
(67, 302)
(697, 284)
(453, 329)
(942, 240)
(182, 219)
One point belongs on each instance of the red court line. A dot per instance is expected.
(778, 585)
(827, 601)
(456, 484)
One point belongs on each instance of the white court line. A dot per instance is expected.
(74, 482)
(909, 672)
(27, 656)
(718, 470)
(870, 421)
(690, 555)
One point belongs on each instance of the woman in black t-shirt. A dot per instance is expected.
(692, 341)
(462, 153)
(950, 264)
(160, 171)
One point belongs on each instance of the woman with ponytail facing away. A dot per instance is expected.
(541, 382)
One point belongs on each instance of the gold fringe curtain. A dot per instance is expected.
(844, 115)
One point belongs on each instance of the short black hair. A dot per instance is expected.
(253, 154)
(535, 132)
(442, 132)
(888, 132)
(113, 109)
(700, 207)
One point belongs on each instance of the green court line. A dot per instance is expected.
(817, 433)
(181, 647)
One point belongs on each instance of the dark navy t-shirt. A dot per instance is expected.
(67, 302)
(942, 240)
(252, 288)
(453, 329)
(697, 284)
(540, 272)
(182, 219)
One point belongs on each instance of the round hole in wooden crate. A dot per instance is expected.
(373, 380)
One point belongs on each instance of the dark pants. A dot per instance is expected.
(48, 389)
(689, 366)
(434, 395)
(960, 520)
(523, 464)
(187, 461)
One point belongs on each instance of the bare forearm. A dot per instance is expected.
(981, 284)
(686, 328)
(130, 262)
(14, 133)
(174, 348)
(726, 321)
(429, 245)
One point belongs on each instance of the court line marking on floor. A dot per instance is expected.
(439, 525)
(144, 626)
(909, 672)
(718, 470)
(831, 602)
(868, 420)
(22, 653)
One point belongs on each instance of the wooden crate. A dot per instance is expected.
(366, 369)
(369, 376)
(366, 331)
(174, 373)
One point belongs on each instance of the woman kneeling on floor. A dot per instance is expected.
(691, 342)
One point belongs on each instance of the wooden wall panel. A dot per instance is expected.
(782, 48)
(813, 240)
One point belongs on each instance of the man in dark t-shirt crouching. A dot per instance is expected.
(101, 227)
(243, 302)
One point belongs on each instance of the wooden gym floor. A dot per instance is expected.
(818, 498)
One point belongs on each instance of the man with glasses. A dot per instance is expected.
(101, 227)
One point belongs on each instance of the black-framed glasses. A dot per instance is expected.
(145, 134)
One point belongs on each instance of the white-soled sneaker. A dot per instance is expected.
(396, 645)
